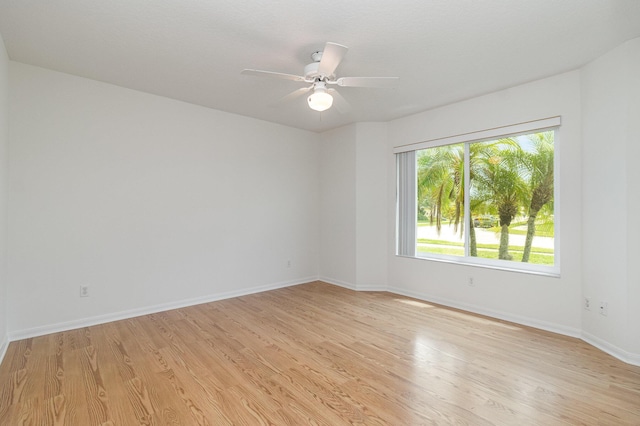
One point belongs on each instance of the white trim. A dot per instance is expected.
(499, 265)
(3, 347)
(116, 316)
(486, 134)
(613, 350)
(367, 287)
(516, 319)
(338, 283)
(354, 287)
(557, 200)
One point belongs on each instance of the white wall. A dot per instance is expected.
(633, 197)
(371, 206)
(149, 201)
(4, 141)
(338, 206)
(611, 129)
(546, 302)
(353, 242)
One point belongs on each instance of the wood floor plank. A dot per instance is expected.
(77, 412)
(314, 354)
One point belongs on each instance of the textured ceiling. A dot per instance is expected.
(443, 51)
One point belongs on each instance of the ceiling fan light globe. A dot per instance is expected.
(320, 101)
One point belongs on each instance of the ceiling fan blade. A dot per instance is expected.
(273, 74)
(293, 95)
(380, 82)
(331, 57)
(339, 102)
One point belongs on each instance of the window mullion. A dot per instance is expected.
(466, 214)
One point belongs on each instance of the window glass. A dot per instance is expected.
(440, 187)
(507, 215)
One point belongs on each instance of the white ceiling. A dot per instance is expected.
(193, 50)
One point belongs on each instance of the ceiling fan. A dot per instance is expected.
(320, 75)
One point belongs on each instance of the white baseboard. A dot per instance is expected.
(355, 287)
(622, 355)
(3, 347)
(116, 316)
(370, 287)
(526, 321)
(339, 283)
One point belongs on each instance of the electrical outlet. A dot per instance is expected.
(587, 303)
(84, 291)
(288, 263)
(471, 282)
(604, 308)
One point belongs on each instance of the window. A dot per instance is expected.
(485, 198)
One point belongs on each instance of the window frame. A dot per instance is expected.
(529, 127)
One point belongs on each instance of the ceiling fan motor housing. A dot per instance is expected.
(311, 71)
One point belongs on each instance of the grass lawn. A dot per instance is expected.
(538, 256)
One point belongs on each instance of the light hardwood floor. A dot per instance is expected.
(314, 354)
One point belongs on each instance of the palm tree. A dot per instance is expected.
(480, 199)
(500, 180)
(440, 182)
(540, 166)
(441, 188)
